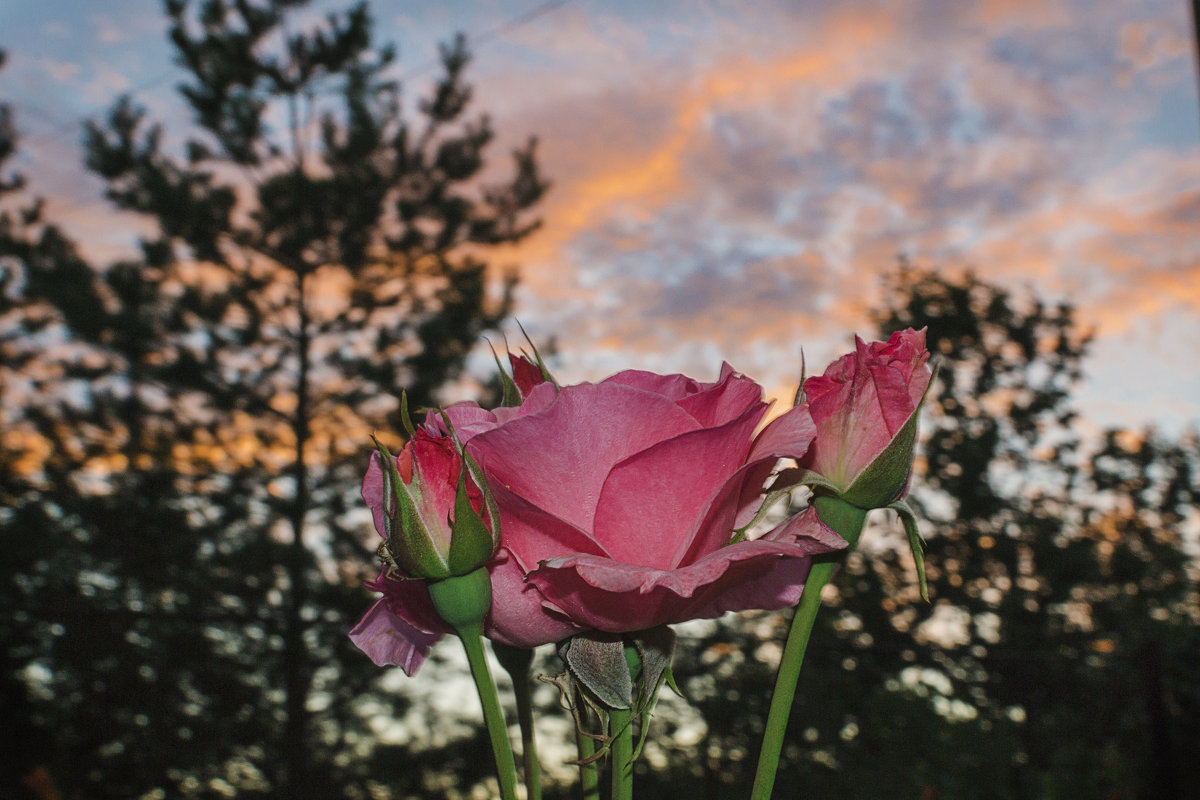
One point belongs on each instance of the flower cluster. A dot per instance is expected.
(622, 506)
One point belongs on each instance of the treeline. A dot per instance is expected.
(183, 434)
(183, 430)
(1055, 659)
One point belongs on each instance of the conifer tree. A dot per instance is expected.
(1053, 660)
(320, 245)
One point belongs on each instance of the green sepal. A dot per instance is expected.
(885, 479)
(819, 483)
(410, 541)
(405, 417)
(654, 649)
(619, 672)
(800, 398)
(463, 600)
(669, 675)
(388, 465)
(471, 542)
(845, 519)
(739, 534)
(476, 472)
(915, 542)
(597, 661)
(511, 395)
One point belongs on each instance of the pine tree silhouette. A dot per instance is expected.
(184, 502)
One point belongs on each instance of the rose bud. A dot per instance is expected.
(865, 410)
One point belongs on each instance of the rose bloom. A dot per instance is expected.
(618, 505)
(860, 406)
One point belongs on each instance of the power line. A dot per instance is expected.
(478, 41)
(60, 130)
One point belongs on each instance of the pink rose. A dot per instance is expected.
(864, 407)
(619, 503)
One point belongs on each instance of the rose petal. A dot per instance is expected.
(736, 502)
(858, 405)
(787, 436)
(617, 597)
(409, 600)
(468, 418)
(709, 403)
(390, 641)
(372, 491)
(652, 500)
(558, 459)
(539, 399)
(672, 387)
(436, 466)
(732, 505)
(518, 615)
(724, 400)
(526, 374)
(807, 530)
(533, 534)
(780, 584)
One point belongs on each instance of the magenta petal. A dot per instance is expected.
(749, 500)
(724, 400)
(539, 399)
(532, 534)
(735, 503)
(559, 458)
(436, 469)
(858, 404)
(519, 616)
(778, 585)
(806, 530)
(468, 419)
(525, 373)
(672, 387)
(905, 350)
(652, 500)
(787, 436)
(390, 641)
(616, 597)
(732, 505)
(709, 403)
(409, 600)
(372, 491)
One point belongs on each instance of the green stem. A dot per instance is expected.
(786, 679)
(620, 726)
(589, 776)
(493, 715)
(847, 520)
(516, 661)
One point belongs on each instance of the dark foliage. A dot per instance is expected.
(185, 431)
(1053, 661)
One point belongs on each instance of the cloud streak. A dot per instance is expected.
(731, 179)
(758, 196)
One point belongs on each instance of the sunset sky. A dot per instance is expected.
(730, 179)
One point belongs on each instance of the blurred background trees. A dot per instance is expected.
(1054, 658)
(184, 430)
(182, 440)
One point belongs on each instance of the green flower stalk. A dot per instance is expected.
(865, 409)
(434, 531)
(848, 521)
(463, 602)
(516, 662)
